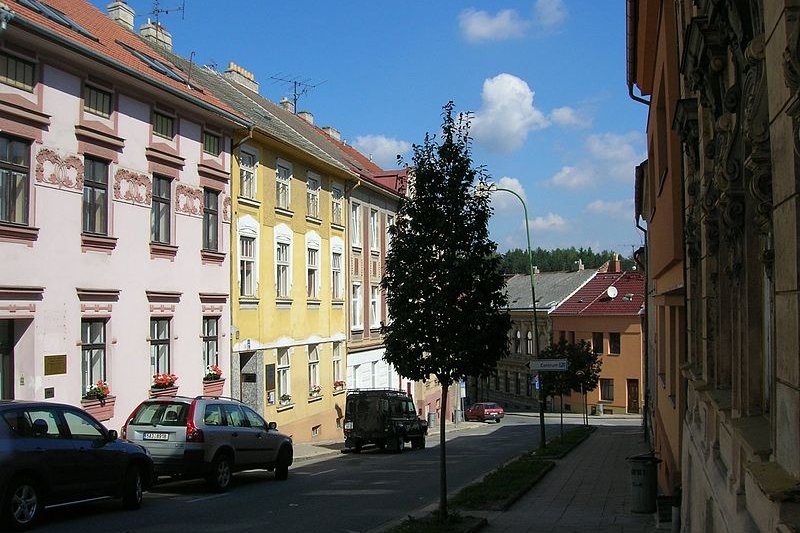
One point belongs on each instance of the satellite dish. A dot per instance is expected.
(612, 292)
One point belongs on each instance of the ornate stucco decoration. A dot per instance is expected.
(133, 187)
(52, 169)
(188, 200)
(703, 62)
(226, 209)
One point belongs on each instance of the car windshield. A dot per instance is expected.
(491, 406)
(161, 414)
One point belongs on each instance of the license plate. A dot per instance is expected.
(155, 436)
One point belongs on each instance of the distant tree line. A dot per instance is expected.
(516, 261)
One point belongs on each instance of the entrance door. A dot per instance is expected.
(6, 359)
(633, 396)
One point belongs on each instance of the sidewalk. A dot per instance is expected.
(587, 491)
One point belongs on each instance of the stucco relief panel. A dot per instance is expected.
(133, 187)
(61, 172)
(226, 209)
(188, 200)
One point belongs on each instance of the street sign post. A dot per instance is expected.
(552, 365)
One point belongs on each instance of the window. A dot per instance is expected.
(529, 342)
(96, 101)
(282, 269)
(95, 196)
(357, 319)
(337, 361)
(163, 125)
(284, 381)
(93, 352)
(283, 178)
(211, 143)
(247, 175)
(517, 341)
(159, 211)
(336, 205)
(56, 16)
(313, 367)
(210, 340)
(374, 306)
(606, 389)
(336, 275)
(247, 266)
(81, 427)
(614, 343)
(210, 219)
(597, 342)
(159, 346)
(516, 383)
(16, 72)
(355, 225)
(507, 382)
(312, 269)
(389, 224)
(312, 195)
(235, 416)
(14, 176)
(374, 243)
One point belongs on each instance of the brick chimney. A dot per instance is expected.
(287, 104)
(308, 116)
(615, 265)
(243, 77)
(156, 34)
(333, 132)
(121, 13)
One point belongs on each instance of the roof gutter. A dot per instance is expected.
(88, 52)
(632, 9)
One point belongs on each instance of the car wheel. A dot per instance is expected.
(497, 420)
(132, 488)
(418, 443)
(282, 466)
(221, 473)
(23, 505)
(399, 444)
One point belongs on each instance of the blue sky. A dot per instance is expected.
(545, 80)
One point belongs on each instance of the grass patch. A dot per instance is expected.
(430, 524)
(558, 448)
(501, 488)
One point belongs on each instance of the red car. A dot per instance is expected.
(484, 411)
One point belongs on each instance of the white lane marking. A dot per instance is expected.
(323, 472)
(215, 496)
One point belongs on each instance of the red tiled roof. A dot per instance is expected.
(593, 299)
(110, 40)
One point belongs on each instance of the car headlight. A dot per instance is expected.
(348, 425)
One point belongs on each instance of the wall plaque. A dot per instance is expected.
(55, 364)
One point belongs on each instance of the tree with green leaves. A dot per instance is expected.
(443, 283)
(583, 368)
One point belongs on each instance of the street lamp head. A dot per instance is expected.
(484, 189)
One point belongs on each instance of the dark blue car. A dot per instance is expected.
(54, 454)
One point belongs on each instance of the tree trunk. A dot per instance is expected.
(443, 457)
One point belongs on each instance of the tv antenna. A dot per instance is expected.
(299, 87)
(158, 10)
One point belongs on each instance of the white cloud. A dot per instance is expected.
(549, 222)
(619, 209)
(571, 177)
(382, 150)
(616, 154)
(549, 13)
(567, 116)
(481, 26)
(507, 114)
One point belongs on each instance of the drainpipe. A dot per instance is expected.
(645, 370)
(633, 30)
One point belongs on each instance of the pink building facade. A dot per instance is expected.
(114, 214)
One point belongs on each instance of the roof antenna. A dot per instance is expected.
(158, 10)
(299, 87)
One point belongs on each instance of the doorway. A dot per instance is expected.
(6, 359)
(633, 396)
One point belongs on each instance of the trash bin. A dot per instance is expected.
(431, 420)
(644, 482)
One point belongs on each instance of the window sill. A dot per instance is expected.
(212, 257)
(283, 303)
(282, 408)
(337, 303)
(337, 226)
(312, 399)
(284, 211)
(163, 251)
(250, 202)
(374, 252)
(313, 220)
(338, 392)
(97, 243)
(248, 302)
(313, 303)
(357, 329)
(19, 234)
(356, 247)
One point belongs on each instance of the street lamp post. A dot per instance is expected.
(493, 187)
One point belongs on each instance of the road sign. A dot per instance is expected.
(555, 365)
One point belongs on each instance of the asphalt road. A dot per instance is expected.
(345, 493)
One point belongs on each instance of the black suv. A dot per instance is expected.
(386, 418)
(53, 454)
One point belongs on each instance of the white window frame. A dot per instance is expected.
(337, 195)
(249, 228)
(374, 306)
(247, 285)
(374, 225)
(312, 194)
(389, 224)
(337, 279)
(356, 306)
(337, 361)
(313, 247)
(355, 224)
(313, 366)
(93, 351)
(283, 379)
(283, 265)
(248, 184)
(283, 184)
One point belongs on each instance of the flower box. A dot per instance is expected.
(213, 387)
(163, 392)
(100, 409)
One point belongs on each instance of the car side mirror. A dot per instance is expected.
(112, 435)
(272, 425)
